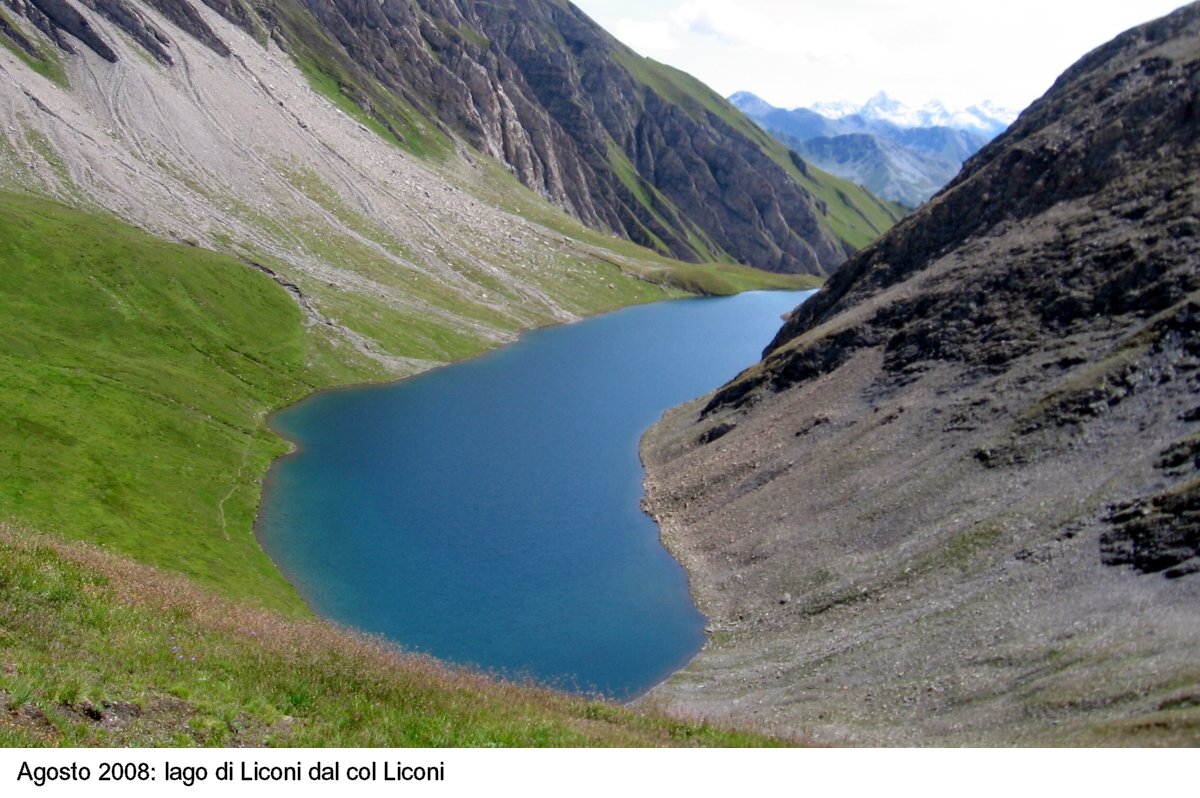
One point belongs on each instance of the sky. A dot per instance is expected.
(797, 52)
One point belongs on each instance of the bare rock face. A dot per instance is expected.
(59, 20)
(59, 17)
(971, 459)
(189, 19)
(14, 35)
(541, 87)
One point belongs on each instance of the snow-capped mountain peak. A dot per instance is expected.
(750, 104)
(984, 117)
(835, 110)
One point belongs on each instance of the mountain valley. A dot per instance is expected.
(955, 503)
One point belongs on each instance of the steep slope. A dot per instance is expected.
(622, 144)
(956, 501)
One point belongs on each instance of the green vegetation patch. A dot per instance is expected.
(311, 185)
(45, 150)
(650, 198)
(855, 215)
(965, 548)
(627, 259)
(397, 331)
(724, 279)
(682, 89)
(134, 377)
(475, 37)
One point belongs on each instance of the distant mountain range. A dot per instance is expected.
(897, 152)
(985, 118)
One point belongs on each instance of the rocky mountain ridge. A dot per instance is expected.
(956, 501)
(621, 143)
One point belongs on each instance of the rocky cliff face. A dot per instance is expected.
(957, 500)
(623, 144)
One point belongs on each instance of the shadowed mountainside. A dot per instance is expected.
(957, 500)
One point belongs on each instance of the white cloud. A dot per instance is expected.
(727, 24)
(646, 35)
(770, 27)
(795, 52)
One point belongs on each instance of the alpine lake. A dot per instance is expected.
(488, 513)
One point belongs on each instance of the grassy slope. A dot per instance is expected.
(134, 375)
(101, 651)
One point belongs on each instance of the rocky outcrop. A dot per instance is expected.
(188, 18)
(620, 142)
(237, 12)
(136, 25)
(57, 17)
(970, 460)
(14, 35)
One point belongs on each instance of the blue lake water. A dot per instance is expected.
(488, 513)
